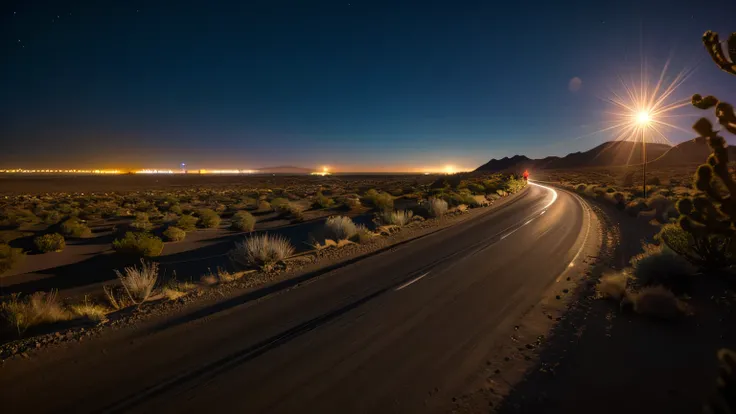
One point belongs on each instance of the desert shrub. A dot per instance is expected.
(174, 234)
(663, 207)
(362, 234)
(75, 228)
(141, 222)
(10, 257)
(659, 265)
(580, 188)
(634, 207)
(513, 185)
(142, 244)
(397, 218)
(321, 201)
(654, 181)
(658, 302)
(279, 202)
(243, 221)
(437, 207)
(208, 218)
(50, 217)
(263, 250)
(187, 222)
(264, 206)
(340, 228)
(379, 201)
(707, 251)
(352, 202)
(39, 308)
(50, 243)
(476, 188)
(613, 285)
(139, 282)
(176, 209)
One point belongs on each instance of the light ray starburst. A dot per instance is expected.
(643, 110)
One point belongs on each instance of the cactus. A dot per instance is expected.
(713, 46)
(710, 219)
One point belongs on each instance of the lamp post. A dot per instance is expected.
(644, 119)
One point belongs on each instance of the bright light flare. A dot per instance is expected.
(643, 118)
(644, 109)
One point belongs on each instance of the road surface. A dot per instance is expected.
(403, 331)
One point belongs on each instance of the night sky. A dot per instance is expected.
(356, 85)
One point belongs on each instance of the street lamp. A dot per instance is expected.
(643, 119)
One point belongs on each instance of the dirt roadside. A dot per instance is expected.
(302, 269)
(573, 352)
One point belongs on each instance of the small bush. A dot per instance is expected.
(50, 243)
(397, 218)
(139, 282)
(659, 265)
(264, 206)
(75, 228)
(37, 309)
(613, 286)
(243, 221)
(340, 228)
(320, 201)
(10, 257)
(658, 302)
(89, 310)
(363, 234)
(142, 244)
(663, 207)
(175, 234)
(208, 218)
(437, 207)
(708, 251)
(262, 250)
(141, 222)
(379, 201)
(187, 222)
(279, 202)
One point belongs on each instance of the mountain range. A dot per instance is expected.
(610, 154)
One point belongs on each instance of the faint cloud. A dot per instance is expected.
(575, 84)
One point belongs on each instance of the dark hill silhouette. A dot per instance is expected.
(504, 163)
(608, 154)
(689, 152)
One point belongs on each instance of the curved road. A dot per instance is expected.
(403, 331)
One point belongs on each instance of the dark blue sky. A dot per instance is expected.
(359, 85)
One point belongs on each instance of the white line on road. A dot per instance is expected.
(410, 282)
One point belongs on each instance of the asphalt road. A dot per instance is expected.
(400, 332)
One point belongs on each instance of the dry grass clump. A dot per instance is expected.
(437, 207)
(340, 228)
(613, 285)
(397, 218)
(263, 250)
(36, 309)
(175, 289)
(139, 282)
(89, 310)
(658, 302)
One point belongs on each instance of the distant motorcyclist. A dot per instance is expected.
(526, 175)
